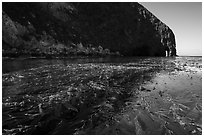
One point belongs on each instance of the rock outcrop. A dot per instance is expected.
(66, 29)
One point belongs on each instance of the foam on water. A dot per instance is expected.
(130, 96)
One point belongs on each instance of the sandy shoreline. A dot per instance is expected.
(150, 96)
(170, 103)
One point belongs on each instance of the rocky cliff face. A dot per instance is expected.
(84, 29)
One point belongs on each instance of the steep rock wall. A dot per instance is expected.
(70, 28)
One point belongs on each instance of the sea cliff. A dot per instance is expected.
(85, 29)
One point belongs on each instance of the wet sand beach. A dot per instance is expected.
(118, 96)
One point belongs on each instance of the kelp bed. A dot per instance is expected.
(99, 98)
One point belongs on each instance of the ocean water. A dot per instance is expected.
(102, 96)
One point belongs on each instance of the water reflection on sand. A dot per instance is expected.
(102, 96)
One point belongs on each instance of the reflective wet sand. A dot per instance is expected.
(120, 96)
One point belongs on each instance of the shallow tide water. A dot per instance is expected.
(102, 96)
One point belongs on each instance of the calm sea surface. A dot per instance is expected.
(102, 96)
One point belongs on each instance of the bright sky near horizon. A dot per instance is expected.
(185, 20)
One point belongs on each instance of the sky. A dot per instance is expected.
(185, 20)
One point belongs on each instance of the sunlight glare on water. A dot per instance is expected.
(102, 96)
